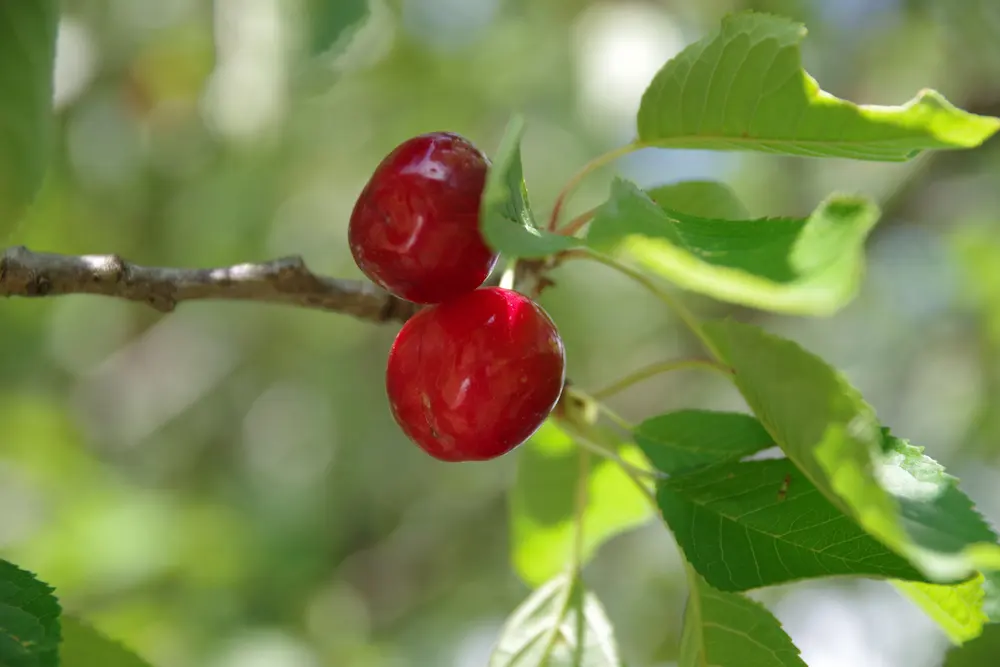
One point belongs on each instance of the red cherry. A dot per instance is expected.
(472, 378)
(415, 227)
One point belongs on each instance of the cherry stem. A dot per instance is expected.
(615, 417)
(578, 177)
(508, 275)
(685, 315)
(633, 472)
(658, 368)
(582, 410)
(577, 223)
(581, 437)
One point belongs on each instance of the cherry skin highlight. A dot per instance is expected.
(472, 378)
(414, 230)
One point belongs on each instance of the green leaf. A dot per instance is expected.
(805, 266)
(743, 88)
(897, 494)
(560, 625)
(330, 21)
(933, 510)
(957, 609)
(679, 441)
(19, 634)
(981, 652)
(27, 57)
(991, 600)
(29, 620)
(83, 646)
(541, 502)
(730, 630)
(506, 219)
(706, 199)
(751, 524)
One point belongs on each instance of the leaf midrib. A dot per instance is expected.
(778, 538)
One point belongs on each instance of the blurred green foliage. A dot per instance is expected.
(225, 486)
(27, 52)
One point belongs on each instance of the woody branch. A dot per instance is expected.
(286, 281)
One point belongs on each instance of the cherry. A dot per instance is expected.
(415, 227)
(472, 378)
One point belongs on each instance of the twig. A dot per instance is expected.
(286, 281)
(579, 176)
(658, 368)
(580, 510)
(577, 223)
(672, 302)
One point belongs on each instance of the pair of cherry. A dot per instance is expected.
(474, 373)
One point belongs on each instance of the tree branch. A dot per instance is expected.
(286, 281)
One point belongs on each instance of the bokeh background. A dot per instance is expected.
(224, 487)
